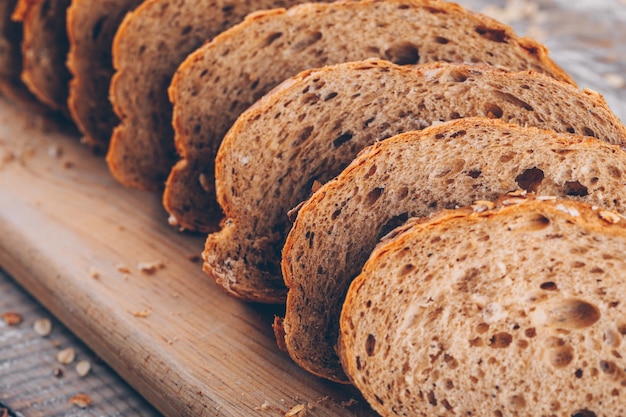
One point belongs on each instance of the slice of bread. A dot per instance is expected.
(223, 78)
(512, 312)
(10, 53)
(413, 175)
(150, 44)
(44, 49)
(313, 125)
(91, 26)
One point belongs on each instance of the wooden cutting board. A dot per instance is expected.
(74, 239)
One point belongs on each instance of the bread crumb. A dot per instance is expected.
(316, 186)
(546, 198)
(349, 403)
(480, 206)
(93, 273)
(81, 400)
(143, 313)
(55, 151)
(42, 327)
(263, 407)
(12, 318)
(172, 221)
(123, 269)
(512, 201)
(296, 411)
(66, 356)
(150, 267)
(569, 210)
(609, 216)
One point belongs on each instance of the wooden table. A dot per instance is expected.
(74, 238)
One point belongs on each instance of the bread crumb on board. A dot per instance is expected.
(143, 313)
(150, 267)
(81, 400)
(12, 318)
(296, 411)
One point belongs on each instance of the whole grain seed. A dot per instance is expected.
(66, 356)
(42, 327)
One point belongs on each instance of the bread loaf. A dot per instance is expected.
(413, 175)
(223, 78)
(148, 47)
(91, 26)
(511, 312)
(311, 127)
(44, 49)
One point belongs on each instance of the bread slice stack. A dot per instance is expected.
(468, 311)
(514, 311)
(222, 79)
(310, 128)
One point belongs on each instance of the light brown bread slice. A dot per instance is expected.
(314, 124)
(223, 78)
(44, 50)
(513, 312)
(91, 25)
(150, 44)
(413, 175)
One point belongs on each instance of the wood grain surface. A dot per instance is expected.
(75, 240)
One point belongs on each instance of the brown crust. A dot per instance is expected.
(91, 27)
(44, 49)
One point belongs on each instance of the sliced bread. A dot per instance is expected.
(312, 125)
(91, 26)
(223, 78)
(413, 175)
(44, 49)
(150, 44)
(512, 312)
(10, 53)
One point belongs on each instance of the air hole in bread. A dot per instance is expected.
(561, 357)
(186, 30)
(510, 98)
(392, 223)
(588, 132)
(614, 172)
(583, 413)
(477, 342)
(308, 40)
(370, 344)
(228, 8)
(573, 314)
(272, 37)
(373, 196)
(495, 35)
(336, 214)
(530, 332)
(498, 413)
(517, 401)
(97, 28)
(304, 135)
(608, 367)
(432, 400)
(441, 40)
(474, 173)
(492, 111)
(330, 96)
(500, 340)
(575, 189)
(404, 53)
(570, 130)
(343, 138)
(482, 328)
(530, 179)
(549, 286)
(406, 269)
(579, 373)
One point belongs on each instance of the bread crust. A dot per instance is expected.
(44, 49)
(414, 175)
(91, 26)
(248, 60)
(506, 329)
